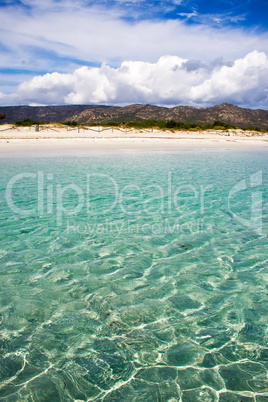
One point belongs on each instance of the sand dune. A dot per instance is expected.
(53, 137)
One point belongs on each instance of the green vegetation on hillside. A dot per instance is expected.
(169, 124)
(173, 125)
(148, 124)
(26, 123)
(71, 123)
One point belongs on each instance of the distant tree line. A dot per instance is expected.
(149, 124)
(217, 125)
(162, 124)
(172, 124)
(71, 123)
(26, 123)
(29, 122)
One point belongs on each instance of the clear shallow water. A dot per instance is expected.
(134, 277)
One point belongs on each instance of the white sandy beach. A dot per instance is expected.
(14, 140)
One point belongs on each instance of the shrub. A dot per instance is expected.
(71, 123)
(26, 123)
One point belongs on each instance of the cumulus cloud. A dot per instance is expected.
(47, 89)
(169, 81)
(246, 82)
(62, 35)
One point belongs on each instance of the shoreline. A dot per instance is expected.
(16, 141)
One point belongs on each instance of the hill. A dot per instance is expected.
(44, 114)
(90, 114)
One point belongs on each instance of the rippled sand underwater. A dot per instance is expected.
(133, 277)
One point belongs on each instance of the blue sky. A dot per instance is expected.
(134, 51)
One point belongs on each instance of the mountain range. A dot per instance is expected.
(89, 114)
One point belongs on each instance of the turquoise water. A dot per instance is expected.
(134, 277)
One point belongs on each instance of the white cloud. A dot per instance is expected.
(46, 89)
(188, 15)
(169, 81)
(6, 99)
(61, 35)
(246, 82)
(54, 31)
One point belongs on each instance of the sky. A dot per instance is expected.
(120, 52)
